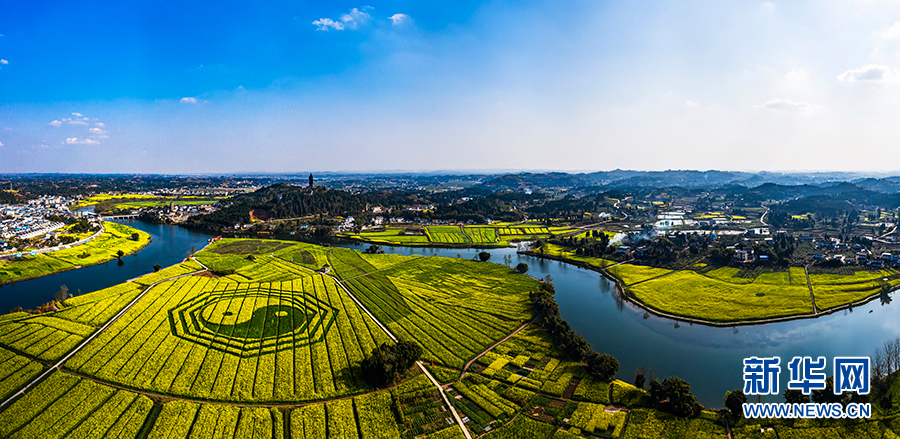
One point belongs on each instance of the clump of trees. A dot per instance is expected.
(885, 364)
(674, 395)
(389, 362)
(375, 249)
(735, 400)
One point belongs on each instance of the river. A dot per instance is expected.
(709, 358)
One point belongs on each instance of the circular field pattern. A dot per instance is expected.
(252, 322)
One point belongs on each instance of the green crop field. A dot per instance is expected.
(163, 203)
(217, 340)
(447, 235)
(495, 235)
(453, 308)
(103, 248)
(271, 349)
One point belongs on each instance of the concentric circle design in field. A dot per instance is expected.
(252, 322)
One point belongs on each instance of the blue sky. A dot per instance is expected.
(327, 86)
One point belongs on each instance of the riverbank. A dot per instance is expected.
(628, 294)
(100, 249)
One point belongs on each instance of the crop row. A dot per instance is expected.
(301, 360)
(268, 269)
(44, 337)
(66, 406)
(15, 371)
(347, 263)
(96, 308)
(452, 317)
(521, 427)
(481, 235)
(487, 399)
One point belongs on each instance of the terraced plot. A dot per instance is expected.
(447, 235)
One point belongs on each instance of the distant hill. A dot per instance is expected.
(282, 200)
(682, 178)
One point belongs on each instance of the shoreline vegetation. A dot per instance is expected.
(625, 291)
(100, 250)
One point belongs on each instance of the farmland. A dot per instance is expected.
(131, 201)
(273, 349)
(495, 235)
(733, 295)
(102, 249)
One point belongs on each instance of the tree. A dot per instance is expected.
(388, 362)
(484, 256)
(407, 352)
(826, 395)
(522, 268)
(119, 254)
(792, 396)
(62, 294)
(676, 395)
(156, 267)
(135, 237)
(374, 249)
(604, 366)
(639, 379)
(734, 402)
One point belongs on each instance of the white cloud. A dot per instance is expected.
(870, 73)
(188, 100)
(797, 78)
(327, 23)
(98, 133)
(100, 124)
(891, 32)
(350, 20)
(55, 123)
(691, 104)
(790, 106)
(1, 143)
(4, 62)
(398, 19)
(355, 18)
(77, 115)
(77, 141)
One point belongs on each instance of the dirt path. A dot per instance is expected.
(466, 368)
(96, 333)
(811, 295)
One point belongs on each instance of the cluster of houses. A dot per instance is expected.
(25, 221)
